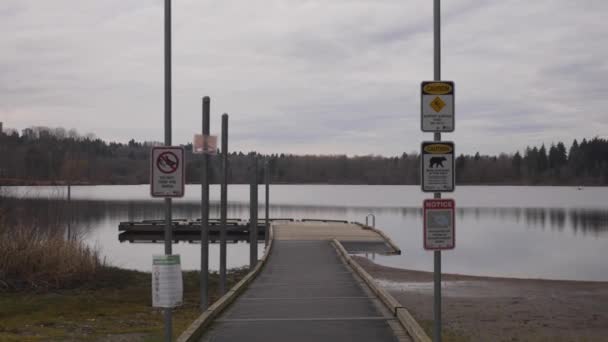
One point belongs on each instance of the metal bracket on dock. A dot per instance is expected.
(373, 220)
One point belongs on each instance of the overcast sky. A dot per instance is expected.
(297, 76)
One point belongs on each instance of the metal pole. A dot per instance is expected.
(223, 204)
(69, 210)
(253, 213)
(267, 200)
(437, 137)
(168, 218)
(204, 276)
(437, 39)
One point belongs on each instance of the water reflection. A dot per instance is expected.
(88, 214)
(552, 243)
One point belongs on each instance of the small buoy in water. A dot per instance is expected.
(580, 187)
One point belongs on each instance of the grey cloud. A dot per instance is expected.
(336, 77)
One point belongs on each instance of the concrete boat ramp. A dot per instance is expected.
(306, 289)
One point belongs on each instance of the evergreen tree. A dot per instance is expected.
(553, 163)
(562, 157)
(516, 164)
(543, 162)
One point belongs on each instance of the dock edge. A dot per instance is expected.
(387, 239)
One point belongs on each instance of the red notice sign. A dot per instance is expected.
(439, 225)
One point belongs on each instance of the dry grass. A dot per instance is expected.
(116, 307)
(42, 259)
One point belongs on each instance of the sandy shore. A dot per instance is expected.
(503, 309)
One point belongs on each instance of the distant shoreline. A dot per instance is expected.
(62, 183)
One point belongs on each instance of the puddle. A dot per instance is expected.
(448, 288)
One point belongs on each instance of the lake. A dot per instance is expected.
(511, 231)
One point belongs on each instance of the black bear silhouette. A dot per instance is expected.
(437, 161)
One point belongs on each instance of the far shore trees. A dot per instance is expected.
(42, 155)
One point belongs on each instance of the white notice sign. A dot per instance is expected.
(167, 284)
(167, 175)
(439, 232)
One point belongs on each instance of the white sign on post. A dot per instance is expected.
(205, 144)
(167, 283)
(167, 172)
(437, 164)
(437, 106)
(439, 225)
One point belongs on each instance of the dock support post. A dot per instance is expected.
(204, 276)
(223, 204)
(253, 213)
(69, 210)
(267, 200)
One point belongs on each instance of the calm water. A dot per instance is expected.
(530, 232)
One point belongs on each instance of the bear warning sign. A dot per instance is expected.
(437, 164)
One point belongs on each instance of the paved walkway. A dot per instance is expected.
(306, 293)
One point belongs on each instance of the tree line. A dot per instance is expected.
(42, 155)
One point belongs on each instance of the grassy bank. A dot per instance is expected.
(114, 307)
(34, 259)
(52, 288)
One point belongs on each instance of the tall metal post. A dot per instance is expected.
(223, 204)
(204, 276)
(69, 210)
(253, 213)
(267, 200)
(437, 137)
(168, 218)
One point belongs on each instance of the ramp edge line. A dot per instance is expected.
(196, 330)
(403, 315)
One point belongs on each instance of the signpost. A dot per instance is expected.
(267, 201)
(253, 213)
(439, 224)
(204, 276)
(223, 205)
(168, 160)
(167, 175)
(437, 160)
(437, 106)
(437, 164)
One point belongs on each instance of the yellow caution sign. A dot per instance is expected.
(437, 104)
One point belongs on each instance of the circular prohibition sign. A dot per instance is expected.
(167, 162)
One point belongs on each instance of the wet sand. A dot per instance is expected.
(503, 309)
